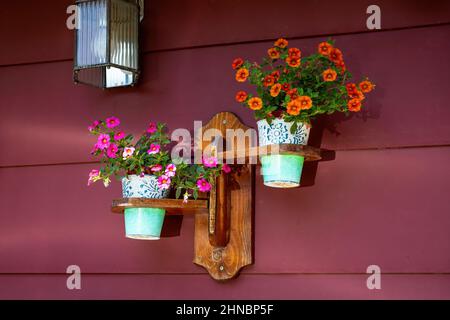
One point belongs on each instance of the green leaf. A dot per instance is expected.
(178, 193)
(294, 128)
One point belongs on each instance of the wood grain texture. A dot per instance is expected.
(172, 206)
(224, 263)
(252, 154)
(219, 218)
(229, 248)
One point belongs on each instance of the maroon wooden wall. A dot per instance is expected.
(383, 200)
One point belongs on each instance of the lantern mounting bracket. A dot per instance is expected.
(141, 3)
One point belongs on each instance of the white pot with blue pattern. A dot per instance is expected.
(282, 171)
(143, 223)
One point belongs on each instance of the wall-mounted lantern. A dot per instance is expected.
(107, 42)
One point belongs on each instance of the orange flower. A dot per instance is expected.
(329, 75)
(275, 90)
(336, 55)
(237, 63)
(241, 96)
(357, 95)
(242, 75)
(281, 43)
(285, 86)
(305, 102)
(293, 93)
(276, 75)
(273, 53)
(325, 48)
(293, 62)
(294, 53)
(269, 81)
(351, 88)
(341, 65)
(255, 103)
(366, 86)
(293, 107)
(354, 105)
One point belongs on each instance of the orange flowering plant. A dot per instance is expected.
(298, 88)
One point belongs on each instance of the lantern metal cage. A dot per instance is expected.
(107, 42)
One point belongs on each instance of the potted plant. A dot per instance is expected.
(290, 91)
(147, 170)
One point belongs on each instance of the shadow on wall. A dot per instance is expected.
(331, 124)
(172, 226)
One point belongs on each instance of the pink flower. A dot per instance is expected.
(119, 135)
(210, 162)
(93, 176)
(226, 168)
(164, 182)
(203, 185)
(103, 141)
(93, 126)
(152, 128)
(154, 148)
(127, 152)
(156, 168)
(111, 152)
(112, 122)
(94, 150)
(171, 169)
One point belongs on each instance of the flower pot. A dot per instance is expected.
(143, 223)
(282, 171)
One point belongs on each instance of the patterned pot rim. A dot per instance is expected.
(279, 132)
(136, 176)
(306, 124)
(146, 186)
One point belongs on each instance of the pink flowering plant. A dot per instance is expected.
(195, 178)
(120, 156)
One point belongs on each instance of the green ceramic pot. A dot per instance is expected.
(282, 171)
(143, 223)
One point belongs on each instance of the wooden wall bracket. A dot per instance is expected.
(223, 238)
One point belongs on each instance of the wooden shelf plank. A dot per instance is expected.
(310, 153)
(172, 206)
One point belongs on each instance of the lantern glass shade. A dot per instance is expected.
(106, 43)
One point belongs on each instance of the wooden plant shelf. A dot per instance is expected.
(223, 239)
(172, 206)
(310, 153)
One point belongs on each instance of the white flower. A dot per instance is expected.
(106, 182)
(127, 152)
(185, 197)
